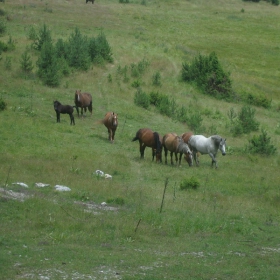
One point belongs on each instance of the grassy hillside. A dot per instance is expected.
(227, 228)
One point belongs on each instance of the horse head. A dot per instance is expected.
(188, 154)
(222, 146)
(114, 119)
(77, 95)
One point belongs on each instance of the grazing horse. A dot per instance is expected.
(149, 138)
(92, 1)
(83, 100)
(111, 122)
(210, 145)
(63, 109)
(186, 137)
(175, 144)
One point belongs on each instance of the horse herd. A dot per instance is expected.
(188, 144)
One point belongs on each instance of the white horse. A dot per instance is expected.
(210, 146)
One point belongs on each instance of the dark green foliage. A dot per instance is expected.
(141, 99)
(43, 36)
(117, 200)
(3, 105)
(48, 67)
(11, 44)
(244, 121)
(99, 49)
(246, 117)
(261, 144)
(3, 26)
(61, 49)
(155, 98)
(273, 2)
(189, 183)
(32, 34)
(124, 1)
(257, 100)
(207, 73)
(2, 12)
(77, 51)
(157, 79)
(136, 84)
(195, 121)
(3, 47)
(8, 63)
(26, 62)
(167, 106)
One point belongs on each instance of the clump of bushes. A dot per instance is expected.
(189, 183)
(273, 2)
(141, 99)
(261, 144)
(78, 52)
(208, 75)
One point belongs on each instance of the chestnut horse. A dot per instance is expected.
(83, 100)
(63, 109)
(175, 144)
(111, 122)
(149, 138)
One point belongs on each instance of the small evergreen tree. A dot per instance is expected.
(77, 51)
(43, 36)
(48, 67)
(26, 62)
(261, 144)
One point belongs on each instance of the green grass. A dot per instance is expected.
(227, 228)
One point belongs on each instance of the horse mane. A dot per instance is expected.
(217, 139)
(157, 141)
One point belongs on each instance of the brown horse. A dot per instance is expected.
(186, 137)
(175, 144)
(111, 122)
(63, 109)
(84, 101)
(149, 138)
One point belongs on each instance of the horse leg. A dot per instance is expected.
(195, 157)
(57, 117)
(142, 149)
(72, 119)
(165, 154)
(213, 160)
(171, 158)
(176, 158)
(180, 158)
(90, 105)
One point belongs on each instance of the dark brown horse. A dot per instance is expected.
(175, 144)
(111, 122)
(149, 138)
(84, 101)
(186, 137)
(63, 109)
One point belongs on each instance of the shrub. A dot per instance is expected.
(48, 67)
(246, 117)
(3, 105)
(189, 183)
(141, 99)
(261, 144)
(3, 26)
(155, 98)
(77, 51)
(2, 12)
(195, 121)
(117, 200)
(26, 62)
(43, 36)
(8, 63)
(207, 73)
(167, 106)
(257, 100)
(32, 34)
(157, 79)
(3, 47)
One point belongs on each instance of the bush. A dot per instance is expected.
(207, 73)
(43, 36)
(3, 105)
(155, 98)
(261, 144)
(189, 183)
(157, 79)
(3, 26)
(246, 118)
(167, 106)
(26, 62)
(257, 100)
(117, 200)
(141, 99)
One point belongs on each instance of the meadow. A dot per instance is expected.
(227, 228)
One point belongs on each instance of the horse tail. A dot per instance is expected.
(157, 141)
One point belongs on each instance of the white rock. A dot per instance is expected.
(108, 176)
(20, 184)
(99, 172)
(62, 188)
(41, 185)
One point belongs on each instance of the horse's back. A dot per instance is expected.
(186, 136)
(201, 143)
(169, 141)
